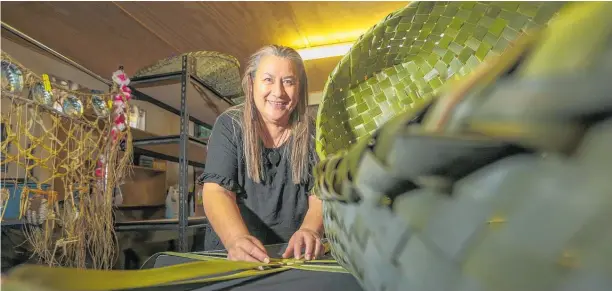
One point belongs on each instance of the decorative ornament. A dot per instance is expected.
(72, 106)
(41, 95)
(99, 106)
(12, 77)
(120, 103)
(100, 167)
(120, 78)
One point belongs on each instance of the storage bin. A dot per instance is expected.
(14, 201)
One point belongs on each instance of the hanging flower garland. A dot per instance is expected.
(120, 103)
(119, 113)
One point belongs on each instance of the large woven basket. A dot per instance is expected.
(220, 71)
(397, 65)
(409, 55)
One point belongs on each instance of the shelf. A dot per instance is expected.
(148, 169)
(168, 147)
(160, 224)
(141, 134)
(156, 78)
(139, 207)
(164, 90)
(12, 222)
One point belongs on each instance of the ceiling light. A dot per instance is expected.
(325, 51)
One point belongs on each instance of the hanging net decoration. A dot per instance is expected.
(60, 164)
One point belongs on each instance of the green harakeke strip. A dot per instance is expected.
(240, 275)
(216, 268)
(72, 279)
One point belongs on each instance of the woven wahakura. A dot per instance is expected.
(220, 71)
(409, 55)
(498, 182)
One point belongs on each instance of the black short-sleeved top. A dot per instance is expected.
(272, 209)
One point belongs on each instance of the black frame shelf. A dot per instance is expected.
(157, 80)
(159, 224)
(149, 146)
(174, 76)
(140, 144)
(159, 147)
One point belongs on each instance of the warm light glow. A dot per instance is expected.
(325, 51)
(328, 37)
(314, 98)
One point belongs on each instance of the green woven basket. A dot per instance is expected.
(409, 55)
(374, 214)
(220, 71)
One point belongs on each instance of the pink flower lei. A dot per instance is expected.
(119, 113)
(120, 103)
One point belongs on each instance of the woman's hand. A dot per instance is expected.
(309, 239)
(247, 248)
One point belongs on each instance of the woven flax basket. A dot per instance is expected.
(220, 71)
(409, 55)
(399, 64)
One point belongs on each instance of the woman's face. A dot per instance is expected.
(275, 89)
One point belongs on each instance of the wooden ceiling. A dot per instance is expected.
(103, 35)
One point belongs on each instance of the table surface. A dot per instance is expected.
(294, 280)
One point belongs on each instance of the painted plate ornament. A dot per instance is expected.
(72, 106)
(12, 77)
(42, 96)
(99, 106)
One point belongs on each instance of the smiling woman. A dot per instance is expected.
(257, 181)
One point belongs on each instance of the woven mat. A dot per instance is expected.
(409, 55)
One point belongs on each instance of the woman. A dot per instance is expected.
(258, 177)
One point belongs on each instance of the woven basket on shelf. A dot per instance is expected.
(409, 55)
(220, 71)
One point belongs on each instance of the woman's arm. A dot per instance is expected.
(310, 232)
(224, 216)
(314, 216)
(223, 213)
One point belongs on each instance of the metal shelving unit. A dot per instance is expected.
(187, 147)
